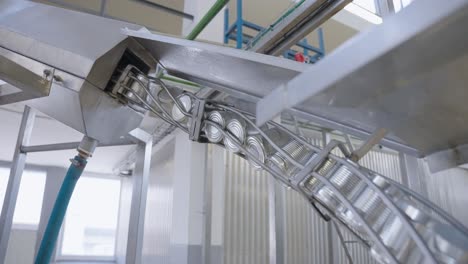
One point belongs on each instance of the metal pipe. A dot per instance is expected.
(214, 10)
(60, 208)
(66, 146)
(14, 180)
(226, 25)
(239, 24)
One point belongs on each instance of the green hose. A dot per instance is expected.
(214, 10)
(180, 81)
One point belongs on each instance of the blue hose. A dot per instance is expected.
(58, 212)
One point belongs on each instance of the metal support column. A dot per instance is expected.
(239, 25)
(140, 179)
(226, 25)
(14, 180)
(325, 140)
(276, 221)
(188, 233)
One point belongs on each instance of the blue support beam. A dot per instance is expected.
(239, 24)
(235, 32)
(226, 25)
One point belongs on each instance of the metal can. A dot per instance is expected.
(212, 133)
(186, 102)
(260, 148)
(238, 128)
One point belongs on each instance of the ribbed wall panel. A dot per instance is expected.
(383, 162)
(306, 237)
(246, 213)
(446, 189)
(158, 217)
(359, 253)
(306, 233)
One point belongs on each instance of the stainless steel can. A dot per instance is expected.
(238, 128)
(186, 102)
(259, 147)
(219, 117)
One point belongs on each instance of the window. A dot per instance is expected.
(30, 195)
(369, 5)
(90, 225)
(400, 4)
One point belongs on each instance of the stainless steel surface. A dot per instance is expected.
(67, 40)
(248, 74)
(32, 78)
(244, 75)
(14, 180)
(63, 57)
(394, 79)
(65, 146)
(295, 26)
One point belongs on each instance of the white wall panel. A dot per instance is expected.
(246, 213)
(158, 218)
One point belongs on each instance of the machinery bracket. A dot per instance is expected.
(196, 121)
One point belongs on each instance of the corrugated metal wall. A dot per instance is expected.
(246, 213)
(246, 233)
(158, 217)
(446, 189)
(306, 233)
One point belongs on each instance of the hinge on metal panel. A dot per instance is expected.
(196, 122)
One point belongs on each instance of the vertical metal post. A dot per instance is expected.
(226, 25)
(14, 180)
(306, 51)
(207, 208)
(321, 41)
(325, 140)
(276, 221)
(138, 205)
(239, 24)
(385, 8)
(217, 170)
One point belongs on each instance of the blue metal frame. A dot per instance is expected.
(235, 32)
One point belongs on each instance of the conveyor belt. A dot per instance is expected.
(397, 224)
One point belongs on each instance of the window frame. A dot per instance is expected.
(60, 257)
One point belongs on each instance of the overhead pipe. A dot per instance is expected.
(214, 10)
(85, 150)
